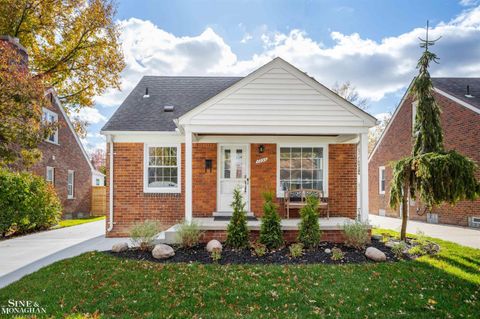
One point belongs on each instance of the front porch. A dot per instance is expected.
(332, 229)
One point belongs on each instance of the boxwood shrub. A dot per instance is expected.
(27, 203)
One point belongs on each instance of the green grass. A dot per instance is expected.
(79, 221)
(444, 286)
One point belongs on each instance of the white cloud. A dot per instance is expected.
(90, 115)
(246, 37)
(376, 68)
(468, 3)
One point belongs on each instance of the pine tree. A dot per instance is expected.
(309, 233)
(433, 175)
(270, 229)
(237, 231)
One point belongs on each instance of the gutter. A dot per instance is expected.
(110, 202)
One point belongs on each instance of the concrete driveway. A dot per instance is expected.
(23, 255)
(460, 235)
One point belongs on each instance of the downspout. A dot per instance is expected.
(110, 202)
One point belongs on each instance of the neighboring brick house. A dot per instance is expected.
(178, 146)
(459, 100)
(64, 161)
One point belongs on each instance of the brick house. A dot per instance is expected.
(64, 161)
(459, 100)
(178, 146)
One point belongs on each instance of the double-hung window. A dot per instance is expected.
(70, 184)
(381, 180)
(50, 175)
(51, 117)
(302, 168)
(162, 169)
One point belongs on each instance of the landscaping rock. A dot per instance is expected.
(120, 247)
(391, 243)
(214, 244)
(328, 251)
(375, 254)
(162, 251)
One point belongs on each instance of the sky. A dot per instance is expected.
(373, 44)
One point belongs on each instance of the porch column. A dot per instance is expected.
(364, 177)
(188, 175)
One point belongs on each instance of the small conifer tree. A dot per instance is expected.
(309, 233)
(270, 228)
(237, 230)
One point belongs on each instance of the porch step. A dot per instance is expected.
(228, 214)
(168, 236)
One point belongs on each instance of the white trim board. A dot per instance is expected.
(458, 101)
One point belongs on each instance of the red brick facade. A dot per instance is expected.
(132, 205)
(461, 128)
(64, 156)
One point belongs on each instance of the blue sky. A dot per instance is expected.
(372, 44)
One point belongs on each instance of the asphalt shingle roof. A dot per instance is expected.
(457, 87)
(183, 92)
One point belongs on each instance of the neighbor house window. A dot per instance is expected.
(70, 184)
(50, 175)
(51, 117)
(162, 169)
(302, 168)
(381, 179)
(97, 181)
(414, 114)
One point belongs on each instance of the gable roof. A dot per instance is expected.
(263, 84)
(183, 92)
(70, 126)
(457, 87)
(452, 88)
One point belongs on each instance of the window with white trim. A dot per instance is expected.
(70, 184)
(301, 168)
(51, 117)
(162, 169)
(381, 180)
(50, 175)
(414, 114)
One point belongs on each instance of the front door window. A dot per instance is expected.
(233, 175)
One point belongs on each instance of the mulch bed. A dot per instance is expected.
(246, 256)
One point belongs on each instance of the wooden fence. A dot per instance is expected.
(99, 200)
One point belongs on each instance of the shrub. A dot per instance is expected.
(259, 249)
(356, 234)
(399, 248)
(309, 233)
(417, 250)
(27, 203)
(143, 234)
(296, 250)
(237, 231)
(270, 229)
(189, 233)
(337, 254)
(216, 254)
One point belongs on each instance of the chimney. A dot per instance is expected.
(15, 43)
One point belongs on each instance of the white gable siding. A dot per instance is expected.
(277, 97)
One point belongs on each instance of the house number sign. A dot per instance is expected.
(261, 160)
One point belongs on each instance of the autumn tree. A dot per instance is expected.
(98, 158)
(350, 93)
(21, 99)
(73, 45)
(375, 132)
(431, 174)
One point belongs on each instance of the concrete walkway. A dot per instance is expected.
(23, 255)
(460, 235)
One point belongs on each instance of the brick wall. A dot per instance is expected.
(64, 156)
(132, 205)
(204, 182)
(461, 130)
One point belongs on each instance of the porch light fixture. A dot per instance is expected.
(208, 165)
(261, 148)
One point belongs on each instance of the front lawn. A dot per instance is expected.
(443, 286)
(79, 221)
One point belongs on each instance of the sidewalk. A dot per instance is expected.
(460, 235)
(23, 255)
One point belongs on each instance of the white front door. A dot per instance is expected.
(233, 173)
